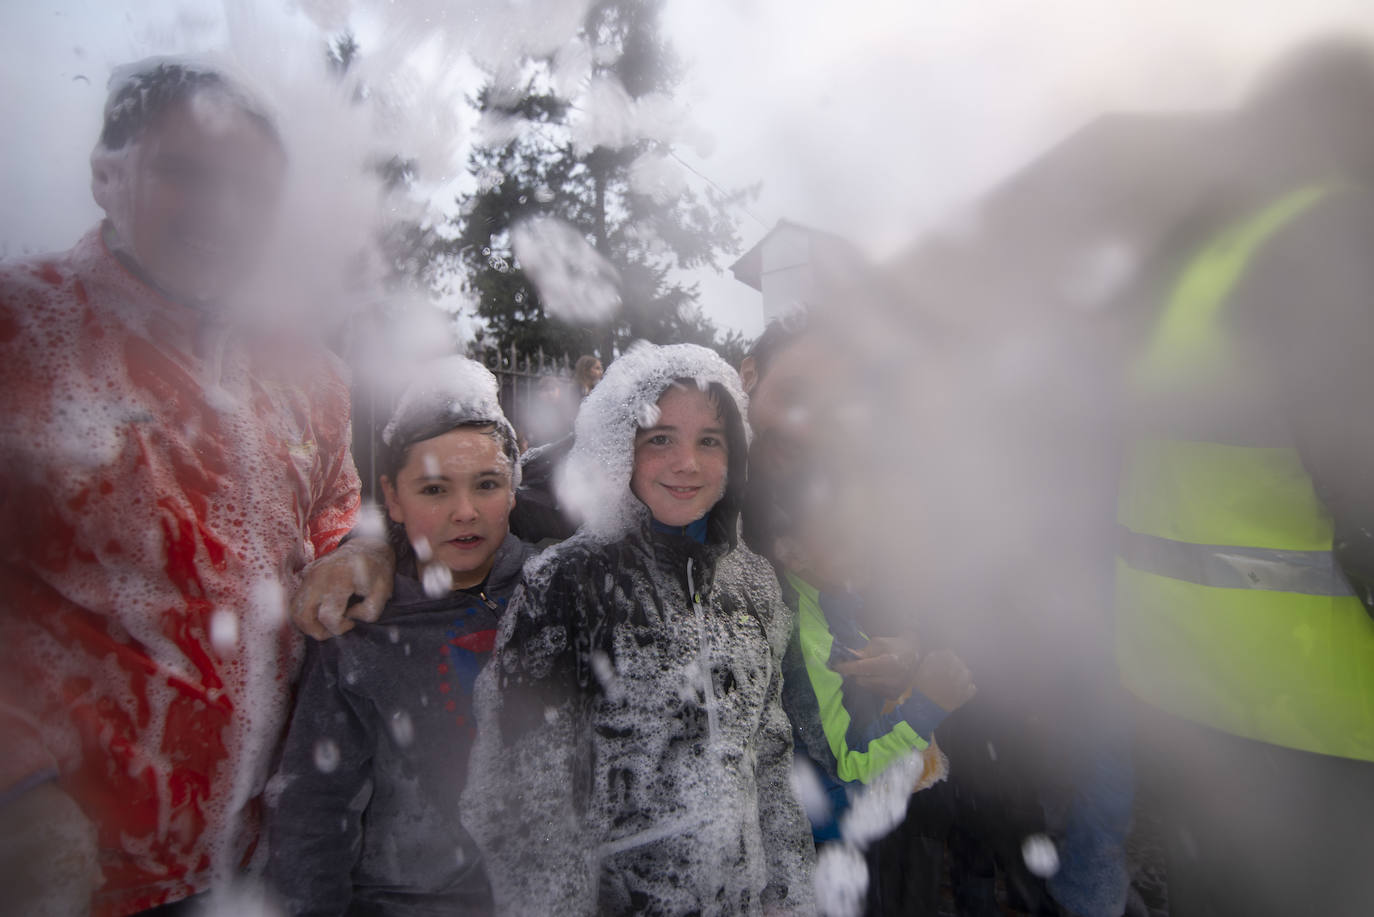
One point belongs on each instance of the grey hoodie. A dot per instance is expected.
(365, 819)
(610, 775)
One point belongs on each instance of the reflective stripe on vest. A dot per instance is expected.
(1234, 566)
(1231, 609)
(851, 764)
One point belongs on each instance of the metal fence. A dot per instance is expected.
(518, 376)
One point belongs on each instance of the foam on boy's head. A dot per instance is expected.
(447, 394)
(594, 482)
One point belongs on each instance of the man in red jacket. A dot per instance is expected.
(168, 462)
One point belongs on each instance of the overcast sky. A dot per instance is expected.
(871, 118)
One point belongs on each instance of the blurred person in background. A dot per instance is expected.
(586, 373)
(858, 704)
(860, 689)
(549, 415)
(1246, 512)
(170, 462)
(953, 472)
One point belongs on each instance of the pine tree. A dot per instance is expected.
(605, 187)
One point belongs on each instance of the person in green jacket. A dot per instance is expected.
(860, 694)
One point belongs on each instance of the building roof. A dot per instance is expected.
(748, 269)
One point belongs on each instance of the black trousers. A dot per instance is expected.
(1252, 829)
(966, 831)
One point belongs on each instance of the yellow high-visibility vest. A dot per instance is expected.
(1231, 609)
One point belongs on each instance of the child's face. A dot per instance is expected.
(454, 493)
(681, 462)
(830, 539)
(784, 402)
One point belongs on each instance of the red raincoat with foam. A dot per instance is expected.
(163, 478)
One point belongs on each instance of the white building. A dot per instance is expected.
(791, 264)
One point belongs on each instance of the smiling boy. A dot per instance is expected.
(632, 753)
(680, 461)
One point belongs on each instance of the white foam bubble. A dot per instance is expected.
(240, 897)
(326, 756)
(882, 804)
(423, 552)
(806, 785)
(605, 673)
(576, 283)
(268, 596)
(437, 580)
(224, 631)
(1041, 856)
(657, 177)
(402, 728)
(371, 524)
(841, 881)
(648, 415)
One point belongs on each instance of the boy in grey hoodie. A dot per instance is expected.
(366, 815)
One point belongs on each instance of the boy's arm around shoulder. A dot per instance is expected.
(530, 764)
(323, 786)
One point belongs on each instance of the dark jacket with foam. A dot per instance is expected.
(365, 820)
(632, 754)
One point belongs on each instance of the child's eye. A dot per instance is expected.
(431, 490)
(658, 439)
(488, 484)
(712, 442)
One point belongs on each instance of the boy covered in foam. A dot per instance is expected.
(366, 818)
(632, 751)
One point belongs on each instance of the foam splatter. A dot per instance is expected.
(576, 283)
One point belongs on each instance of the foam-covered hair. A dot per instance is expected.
(445, 394)
(594, 483)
